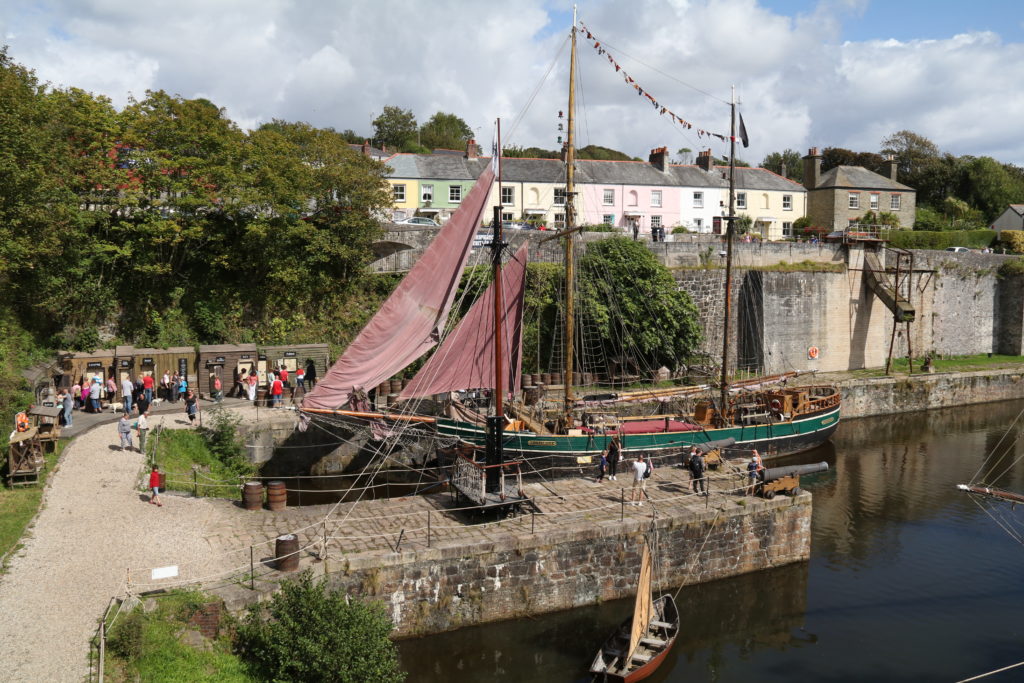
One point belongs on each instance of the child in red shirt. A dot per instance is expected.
(154, 486)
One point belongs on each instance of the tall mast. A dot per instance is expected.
(570, 223)
(496, 245)
(730, 221)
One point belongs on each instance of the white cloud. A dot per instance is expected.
(338, 64)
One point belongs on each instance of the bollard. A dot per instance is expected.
(533, 520)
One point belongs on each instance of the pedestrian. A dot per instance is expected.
(76, 395)
(124, 430)
(311, 373)
(283, 376)
(111, 389)
(127, 390)
(751, 476)
(757, 458)
(276, 390)
(685, 461)
(300, 379)
(154, 486)
(172, 388)
(639, 482)
(602, 467)
(147, 386)
(614, 455)
(182, 387)
(217, 388)
(68, 404)
(697, 474)
(165, 387)
(95, 391)
(191, 406)
(250, 385)
(142, 424)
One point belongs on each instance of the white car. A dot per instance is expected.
(419, 220)
(959, 250)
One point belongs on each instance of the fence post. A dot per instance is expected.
(325, 546)
(533, 520)
(252, 568)
(103, 644)
(707, 491)
(428, 528)
(195, 484)
(622, 504)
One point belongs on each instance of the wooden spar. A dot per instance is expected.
(371, 416)
(570, 222)
(643, 607)
(995, 493)
(499, 408)
(730, 220)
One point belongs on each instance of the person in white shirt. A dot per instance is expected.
(165, 386)
(639, 482)
(142, 424)
(127, 388)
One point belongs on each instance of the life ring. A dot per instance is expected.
(776, 405)
(812, 352)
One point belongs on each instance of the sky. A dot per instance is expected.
(825, 73)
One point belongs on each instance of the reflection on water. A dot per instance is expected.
(908, 579)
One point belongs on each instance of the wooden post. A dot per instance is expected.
(103, 644)
(195, 484)
(252, 568)
(622, 504)
(533, 520)
(428, 528)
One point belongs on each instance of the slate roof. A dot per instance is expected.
(374, 152)
(858, 177)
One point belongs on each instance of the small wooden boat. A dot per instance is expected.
(640, 644)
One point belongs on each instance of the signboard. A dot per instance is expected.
(245, 356)
(147, 361)
(94, 364)
(124, 364)
(289, 354)
(164, 572)
(263, 356)
(183, 367)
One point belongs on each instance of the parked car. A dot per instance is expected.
(512, 225)
(959, 250)
(419, 220)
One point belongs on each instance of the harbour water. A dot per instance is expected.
(909, 579)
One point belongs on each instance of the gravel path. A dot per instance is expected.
(93, 524)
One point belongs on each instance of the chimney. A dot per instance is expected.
(366, 148)
(659, 158)
(892, 166)
(472, 149)
(812, 168)
(704, 160)
(783, 169)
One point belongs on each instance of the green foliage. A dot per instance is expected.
(516, 152)
(445, 131)
(680, 230)
(220, 431)
(1013, 240)
(313, 634)
(394, 127)
(602, 227)
(125, 639)
(882, 218)
(1012, 268)
(791, 158)
(990, 186)
(179, 451)
(742, 224)
(926, 239)
(838, 156)
(635, 306)
(597, 152)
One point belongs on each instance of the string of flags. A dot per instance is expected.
(662, 110)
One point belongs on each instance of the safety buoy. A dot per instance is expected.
(812, 352)
(776, 405)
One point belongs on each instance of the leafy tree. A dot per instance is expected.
(394, 127)
(599, 153)
(516, 152)
(633, 303)
(353, 137)
(792, 160)
(989, 186)
(316, 635)
(445, 131)
(832, 157)
(684, 155)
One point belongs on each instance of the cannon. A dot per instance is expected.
(774, 480)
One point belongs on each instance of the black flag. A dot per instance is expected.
(743, 133)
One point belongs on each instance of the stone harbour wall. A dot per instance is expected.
(518, 574)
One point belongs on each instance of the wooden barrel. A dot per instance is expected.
(261, 397)
(383, 389)
(252, 495)
(392, 399)
(286, 553)
(527, 380)
(163, 481)
(277, 496)
(396, 386)
(556, 378)
(545, 378)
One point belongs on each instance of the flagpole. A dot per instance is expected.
(730, 222)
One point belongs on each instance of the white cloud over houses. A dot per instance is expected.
(339, 64)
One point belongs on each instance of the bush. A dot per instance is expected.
(1012, 268)
(602, 227)
(125, 640)
(680, 230)
(928, 239)
(221, 436)
(1013, 240)
(316, 635)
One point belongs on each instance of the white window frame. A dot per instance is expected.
(787, 202)
(895, 202)
(455, 194)
(398, 192)
(655, 221)
(698, 200)
(511, 192)
(873, 201)
(853, 201)
(608, 198)
(656, 199)
(741, 200)
(560, 197)
(559, 221)
(787, 229)
(608, 219)
(426, 193)
(698, 223)
(507, 217)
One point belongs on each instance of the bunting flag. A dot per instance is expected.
(662, 110)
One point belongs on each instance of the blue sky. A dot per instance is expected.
(842, 73)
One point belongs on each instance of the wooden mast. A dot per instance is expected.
(994, 493)
(570, 222)
(723, 407)
(499, 408)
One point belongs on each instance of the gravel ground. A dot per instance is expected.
(94, 523)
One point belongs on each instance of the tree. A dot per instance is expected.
(989, 186)
(684, 155)
(599, 153)
(831, 157)
(394, 127)
(353, 137)
(316, 635)
(791, 159)
(445, 131)
(633, 303)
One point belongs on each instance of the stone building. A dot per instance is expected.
(845, 193)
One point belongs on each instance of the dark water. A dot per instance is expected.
(909, 580)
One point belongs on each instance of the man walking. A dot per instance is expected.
(124, 430)
(639, 482)
(68, 404)
(127, 389)
(143, 426)
(697, 473)
(147, 386)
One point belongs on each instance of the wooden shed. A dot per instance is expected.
(156, 362)
(291, 357)
(226, 361)
(86, 364)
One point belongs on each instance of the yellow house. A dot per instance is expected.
(772, 202)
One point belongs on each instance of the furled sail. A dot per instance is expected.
(643, 607)
(465, 360)
(411, 320)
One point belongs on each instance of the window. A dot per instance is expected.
(787, 202)
(609, 197)
(508, 196)
(854, 200)
(632, 198)
(559, 220)
(764, 200)
(894, 202)
(608, 219)
(874, 201)
(399, 193)
(698, 200)
(655, 198)
(455, 193)
(741, 200)
(426, 193)
(506, 216)
(560, 197)
(655, 221)
(698, 223)
(787, 229)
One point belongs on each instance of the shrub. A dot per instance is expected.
(125, 640)
(221, 436)
(602, 227)
(1012, 268)
(1013, 239)
(680, 230)
(316, 635)
(928, 239)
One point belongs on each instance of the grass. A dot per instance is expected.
(177, 451)
(981, 361)
(805, 266)
(19, 505)
(147, 646)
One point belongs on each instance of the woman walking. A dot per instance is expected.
(154, 486)
(125, 431)
(250, 385)
(614, 453)
(191, 406)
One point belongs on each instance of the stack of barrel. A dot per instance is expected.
(277, 495)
